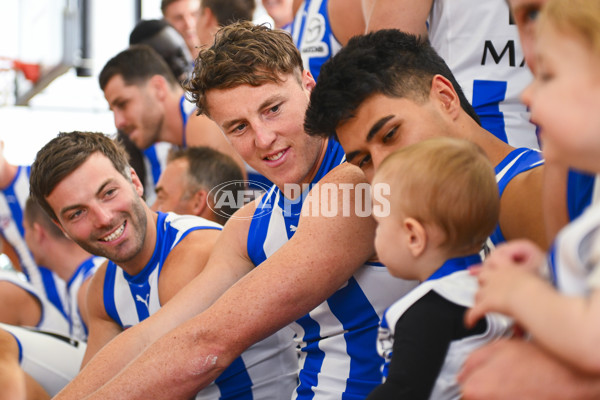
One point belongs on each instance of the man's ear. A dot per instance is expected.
(308, 81)
(416, 236)
(200, 202)
(38, 231)
(159, 86)
(443, 92)
(61, 228)
(137, 184)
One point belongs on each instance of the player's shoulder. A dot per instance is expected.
(344, 173)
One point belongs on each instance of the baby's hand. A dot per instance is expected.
(501, 276)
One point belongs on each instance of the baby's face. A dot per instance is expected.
(390, 236)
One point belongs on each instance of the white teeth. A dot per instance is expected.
(114, 235)
(276, 156)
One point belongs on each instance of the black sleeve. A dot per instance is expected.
(421, 340)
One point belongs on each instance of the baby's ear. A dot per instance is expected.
(416, 236)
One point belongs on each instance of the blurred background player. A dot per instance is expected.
(66, 258)
(281, 11)
(167, 42)
(183, 16)
(14, 191)
(189, 184)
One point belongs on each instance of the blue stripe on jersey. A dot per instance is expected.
(235, 377)
(314, 358)
(315, 50)
(19, 345)
(454, 265)
(13, 204)
(259, 228)
(516, 162)
(362, 377)
(51, 289)
(487, 96)
(108, 293)
(580, 188)
(552, 264)
(184, 117)
(261, 220)
(155, 166)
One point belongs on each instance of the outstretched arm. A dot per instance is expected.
(320, 257)
(214, 279)
(566, 326)
(12, 377)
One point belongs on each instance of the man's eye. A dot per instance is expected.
(239, 128)
(390, 135)
(75, 214)
(365, 161)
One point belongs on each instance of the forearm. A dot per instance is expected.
(177, 366)
(12, 380)
(104, 365)
(565, 326)
(406, 15)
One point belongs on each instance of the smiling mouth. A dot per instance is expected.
(115, 235)
(275, 157)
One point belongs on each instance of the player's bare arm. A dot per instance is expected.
(322, 255)
(102, 329)
(224, 267)
(185, 262)
(406, 15)
(521, 211)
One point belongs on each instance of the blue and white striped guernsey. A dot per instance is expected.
(78, 330)
(12, 205)
(51, 319)
(339, 359)
(266, 370)
(516, 162)
(480, 43)
(312, 35)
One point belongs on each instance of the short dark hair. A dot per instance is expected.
(63, 155)
(229, 11)
(136, 65)
(243, 54)
(388, 62)
(209, 168)
(167, 42)
(34, 213)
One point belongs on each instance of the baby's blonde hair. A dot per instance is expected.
(448, 183)
(581, 17)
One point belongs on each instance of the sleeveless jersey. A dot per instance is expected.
(312, 35)
(516, 162)
(266, 370)
(51, 319)
(52, 360)
(77, 328)
(12, 205)
(155, 161)
(337, 338)
(456, 285)
(575, 254)
(480, 43)
(581, 188)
